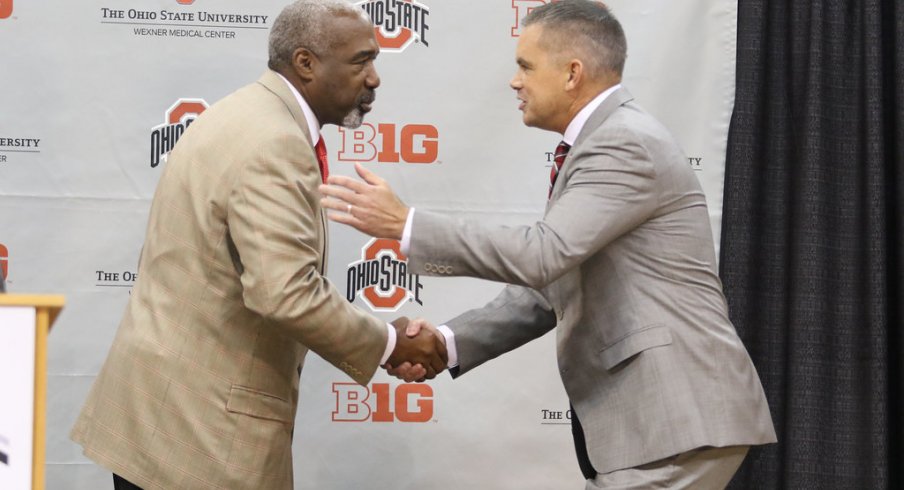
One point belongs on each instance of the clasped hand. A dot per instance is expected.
(420, 351)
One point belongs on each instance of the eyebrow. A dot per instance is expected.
(366, 54)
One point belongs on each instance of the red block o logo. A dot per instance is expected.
(398, 295)
(185, 107)
(6, 8)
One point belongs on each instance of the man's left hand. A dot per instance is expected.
(370, 206)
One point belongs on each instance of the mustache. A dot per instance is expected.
(367, 97)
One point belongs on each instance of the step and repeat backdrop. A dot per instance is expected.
(93, 94)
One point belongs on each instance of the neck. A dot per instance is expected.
(303, 88)
(583, 97)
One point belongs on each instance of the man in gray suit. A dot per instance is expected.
(622, 265)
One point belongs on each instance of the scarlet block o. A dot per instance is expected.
(6, 8)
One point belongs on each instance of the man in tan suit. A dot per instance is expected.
(622, 266)
(200, 388)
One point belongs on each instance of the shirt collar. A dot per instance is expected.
(577, 124)
(310, 118)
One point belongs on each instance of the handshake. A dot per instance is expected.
(420, 351)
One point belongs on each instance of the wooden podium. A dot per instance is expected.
(25, 322)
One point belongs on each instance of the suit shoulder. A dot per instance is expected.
(632, 119)
(631, 125)
(253, 104)
(252, 114)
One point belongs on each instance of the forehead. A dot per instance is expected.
(529, 41)
(353, 32)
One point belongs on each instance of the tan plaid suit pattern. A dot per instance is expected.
(200, 387)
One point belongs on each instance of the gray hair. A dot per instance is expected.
(584, 28)
(300, 25)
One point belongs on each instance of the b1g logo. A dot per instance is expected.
(387, 143)
(408, 403)
(381, 277)
(397, 23)
(4, 261)
(6, 8)
(178, 117)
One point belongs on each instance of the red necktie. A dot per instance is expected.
(559, 157)
(320, 150)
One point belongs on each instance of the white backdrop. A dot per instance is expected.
(85, 85)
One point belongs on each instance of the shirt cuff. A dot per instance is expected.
(390, 343)
(406, 233)
(451, 351)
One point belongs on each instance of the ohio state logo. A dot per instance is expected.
(397, 23)
(177, 119)
(381, 277)
(6, 9)
(185, 2)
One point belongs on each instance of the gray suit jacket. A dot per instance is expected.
(200, 388)
(623, 266)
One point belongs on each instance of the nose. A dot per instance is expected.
(373, 79)
(515, 82)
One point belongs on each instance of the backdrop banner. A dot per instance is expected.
(95, 93)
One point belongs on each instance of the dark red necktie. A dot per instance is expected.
(320, 150)
(559, 157)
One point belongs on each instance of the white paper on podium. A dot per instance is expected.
(17, 390)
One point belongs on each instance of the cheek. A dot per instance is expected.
(353, 85)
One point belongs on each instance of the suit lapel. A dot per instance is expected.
(615, 100)
(274, 83)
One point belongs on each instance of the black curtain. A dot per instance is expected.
(812, 251)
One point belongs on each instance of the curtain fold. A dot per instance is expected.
(812, 239)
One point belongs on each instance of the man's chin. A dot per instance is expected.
(353, 120)
(531, 121)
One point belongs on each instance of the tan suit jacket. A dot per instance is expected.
(623, 266)
(200, 387)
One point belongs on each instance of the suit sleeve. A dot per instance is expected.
(274, 219)
(610, 191)
(517, 316)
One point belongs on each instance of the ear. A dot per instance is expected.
(575, 74)
(304, 62)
